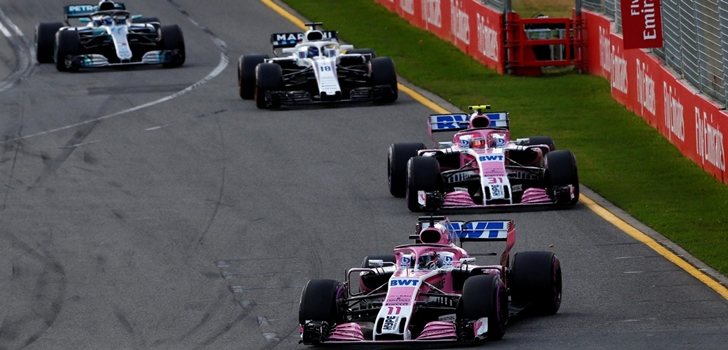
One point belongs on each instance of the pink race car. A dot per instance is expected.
(481, 166)
(431, 291)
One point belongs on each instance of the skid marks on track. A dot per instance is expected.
(269, 295)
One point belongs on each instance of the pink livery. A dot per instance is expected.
(481, 166)
(432, 291)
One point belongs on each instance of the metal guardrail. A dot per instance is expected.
(695, 40)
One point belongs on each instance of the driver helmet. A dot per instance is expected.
(477, 142)
(106, 5)
(429, 261)
(313, 51)
(107, 20)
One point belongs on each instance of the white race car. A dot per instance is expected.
(313, 67)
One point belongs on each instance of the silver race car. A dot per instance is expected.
(313, 67)
(108, 36)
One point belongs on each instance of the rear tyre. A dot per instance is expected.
(397, 157)
(322, 300)
(561, 171)
(423, 174)
(174, 41)
(384, 75)
(535, 281)
(268, 77)
(45, 41)
(246, 74)
(68, 46)
(485, 296)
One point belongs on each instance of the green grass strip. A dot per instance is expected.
(618, 154)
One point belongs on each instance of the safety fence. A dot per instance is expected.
(695, 40)
(674, 88)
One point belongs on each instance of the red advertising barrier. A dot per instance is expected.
(690, 121)
(488, 44)
(641, 24)
(468, 24)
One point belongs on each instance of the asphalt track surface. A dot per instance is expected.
(153, 209)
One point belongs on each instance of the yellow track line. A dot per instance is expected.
(588, 202)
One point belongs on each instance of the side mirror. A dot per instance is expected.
(136, 16)
(466, 260)
(376, 263)
(84, 20)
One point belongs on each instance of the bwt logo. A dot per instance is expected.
(451, 121)
(396, 283)
(491, 158)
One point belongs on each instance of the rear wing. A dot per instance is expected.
(85, 10)
(473, 230)
(461, 121)
(284, 40)
(483, 230)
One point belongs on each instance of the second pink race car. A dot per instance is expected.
(481, 166)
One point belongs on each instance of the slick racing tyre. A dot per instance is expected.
(535, 281)
(485, 296)
(322, 300)
(561, 171)
(384, 75)
(68, 46)
(246, 74)
(173, 40)
(45, 41)
(423, 174)
(268, 77)
(398, 156)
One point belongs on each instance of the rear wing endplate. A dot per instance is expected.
(460, 121)
(85, 10)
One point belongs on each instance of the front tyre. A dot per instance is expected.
(397, 157)
(384, 79)
(485, 296)
(560, 172)
(68, 47)
(423, 174)
(268, 77)
(174, 43)
(321, 300)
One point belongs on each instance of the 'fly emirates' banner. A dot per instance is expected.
(641, 24)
